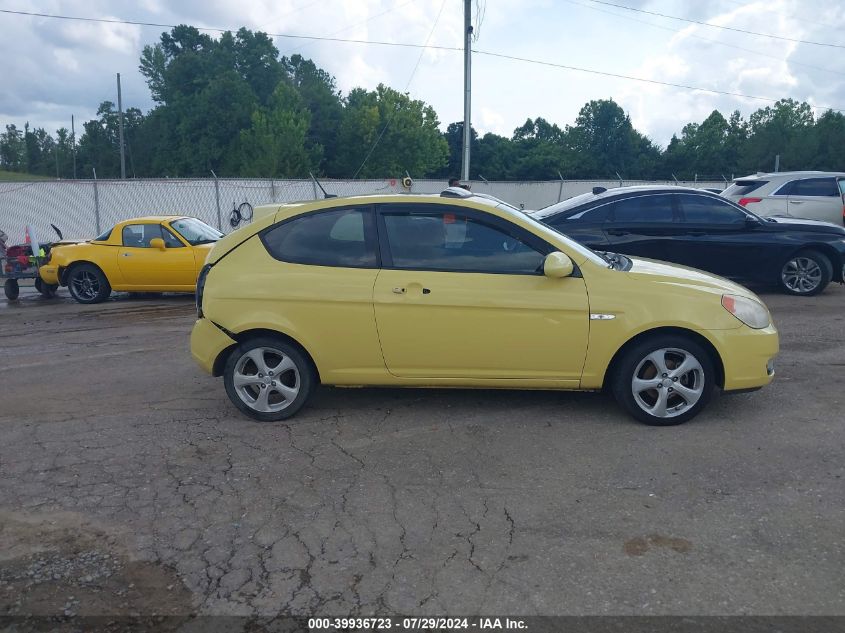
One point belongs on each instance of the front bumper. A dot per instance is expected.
(207, 343)
(747, 356)
(49, 274)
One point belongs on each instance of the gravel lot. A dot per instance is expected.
(129, 484)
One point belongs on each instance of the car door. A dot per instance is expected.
(147, 268)
(474, 303)
(816, 199)
(643, 225)
(719, 237)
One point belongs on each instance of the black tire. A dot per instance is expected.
(97, 288)
(301, 376)
(817, 273)
(635, 363)
(48, 291)
(12, 289)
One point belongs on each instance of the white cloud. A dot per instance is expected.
(58, 67)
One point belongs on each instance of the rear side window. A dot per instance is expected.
(744, 187)
(815, 187)
(643, 209)
(344, 238)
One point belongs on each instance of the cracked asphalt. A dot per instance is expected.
(129, 484)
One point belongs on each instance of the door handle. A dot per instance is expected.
(796, 202)
(127, 254)
(696, 233)
(399, 291)
(616, 232)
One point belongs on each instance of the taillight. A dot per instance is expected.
(745, 201)
(201, 287)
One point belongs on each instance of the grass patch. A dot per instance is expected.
(14, 176)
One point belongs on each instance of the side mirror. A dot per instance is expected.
(158, 243)
(557, 265)
(751, 223)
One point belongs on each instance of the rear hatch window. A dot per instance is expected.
(744, 187)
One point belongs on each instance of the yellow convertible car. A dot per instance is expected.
(149, 254)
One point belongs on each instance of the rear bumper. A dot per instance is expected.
(207, 343)
(747, 356)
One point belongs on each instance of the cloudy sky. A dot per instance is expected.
(55, 68)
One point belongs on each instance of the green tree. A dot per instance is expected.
(607, 142)
(274, 145)
(783, 129)
(322, 98)
(402, 133)
(12, 149)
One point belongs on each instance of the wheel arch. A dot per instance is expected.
(833, 256)
(240, 337)
(65, 271)
(708, 346)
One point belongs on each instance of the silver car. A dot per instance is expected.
(810, 195)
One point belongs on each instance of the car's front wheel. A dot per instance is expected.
(806, 273)
(664, 380)
(268, 379)
(88, 284)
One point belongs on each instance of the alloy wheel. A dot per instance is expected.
(266, 380)
(801, 275)
(668, 382)
(86, 285)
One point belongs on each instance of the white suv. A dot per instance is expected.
(811, 195)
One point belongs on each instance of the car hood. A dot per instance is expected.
(661, 272)
(813, 225)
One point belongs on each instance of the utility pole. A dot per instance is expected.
(120, 111)
(73, 144)
(467, 88)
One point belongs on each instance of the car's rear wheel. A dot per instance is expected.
(806, 273)
(268, 379)
(664, 380)
(88, 284)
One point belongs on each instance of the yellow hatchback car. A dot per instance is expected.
(462, 290)
(149, 254)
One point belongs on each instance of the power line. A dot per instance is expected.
(407, 85)
(351, 26)
(717, 26)
(221, 30)
(429, 47)
(705, 39)
(642, 79)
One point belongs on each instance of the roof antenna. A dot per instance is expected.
(325, 193)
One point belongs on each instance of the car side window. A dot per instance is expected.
(170, 240)
(454, 242)
(707, 210)
(643, 209)
(825, 187)
(343, 238)
(140, 235)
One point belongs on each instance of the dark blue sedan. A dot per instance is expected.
(700, 229)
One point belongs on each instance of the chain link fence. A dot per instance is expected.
(85, 208)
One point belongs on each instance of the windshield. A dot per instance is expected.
(195, 231)
(569, 203)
